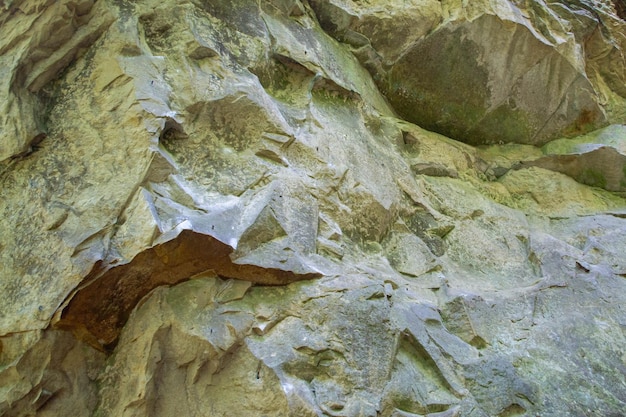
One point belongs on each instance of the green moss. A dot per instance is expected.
(609, 136)
(561, 146)
(505, 124)
(406, 403)
(440, 85)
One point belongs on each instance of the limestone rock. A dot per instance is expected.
(48, 373)
(597, 159)
(31, 58)
(217, 208)
(490, 72)
(99, 310)
(409, 255)
(310, 359)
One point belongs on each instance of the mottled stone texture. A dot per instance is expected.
(487, 72)
(322, 208)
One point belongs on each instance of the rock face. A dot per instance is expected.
(490, 71)
(241, 208)
(597, 159)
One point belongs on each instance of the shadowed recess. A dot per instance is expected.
(97, 312)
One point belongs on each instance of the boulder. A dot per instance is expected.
(490, 72)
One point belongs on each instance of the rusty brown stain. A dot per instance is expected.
(98, 311)
(585, 121)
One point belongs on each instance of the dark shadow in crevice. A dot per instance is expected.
(620, 8)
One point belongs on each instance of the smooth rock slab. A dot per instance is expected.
(459, 82)
(489, 72)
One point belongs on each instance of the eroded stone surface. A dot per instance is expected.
(597, 159)
(490, 72)
(31, 58)
(101, 307)
(48, 373)
(225, 201)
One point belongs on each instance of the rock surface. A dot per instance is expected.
(597, 159)
(490, 71)
(235, 208)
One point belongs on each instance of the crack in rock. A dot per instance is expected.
(98, 310)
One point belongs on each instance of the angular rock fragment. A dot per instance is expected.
(597, 158)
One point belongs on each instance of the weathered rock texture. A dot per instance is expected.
(490, 71)
(597, 159)
(241, 208)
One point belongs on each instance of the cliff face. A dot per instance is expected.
(322, 208)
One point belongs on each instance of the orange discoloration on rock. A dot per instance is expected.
(97, 312)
